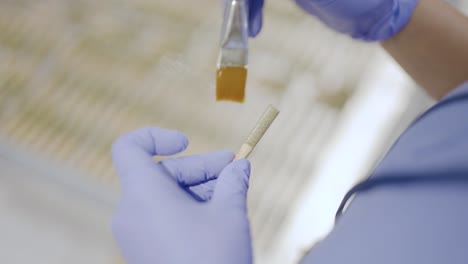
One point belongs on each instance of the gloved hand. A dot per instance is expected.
(158, 221)
(369, 20)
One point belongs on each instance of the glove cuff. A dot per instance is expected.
(392, 24)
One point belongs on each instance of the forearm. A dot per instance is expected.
(433, 47)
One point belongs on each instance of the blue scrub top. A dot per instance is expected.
(414, 207)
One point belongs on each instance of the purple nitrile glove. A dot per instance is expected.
(369, 20)
(255, 17)
(255, 8)
(158, 221)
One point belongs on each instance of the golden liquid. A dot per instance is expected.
(230, 84)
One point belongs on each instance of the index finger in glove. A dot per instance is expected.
(197, 169)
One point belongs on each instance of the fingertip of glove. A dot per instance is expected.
(229, 155)
(255, 25)
(255, 17)
(153, 140)
(183, 139)
(168, 142)
(242, 164)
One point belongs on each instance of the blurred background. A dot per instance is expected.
(76, 74)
